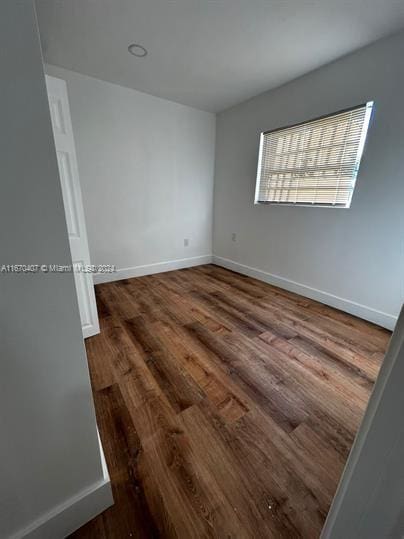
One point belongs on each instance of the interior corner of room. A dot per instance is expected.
(208, 341)
(149, 168)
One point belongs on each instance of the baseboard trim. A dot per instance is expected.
(362, 311)
(65, 518)
(71, 515)
(149, 269)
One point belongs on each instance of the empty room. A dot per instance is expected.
(202, 269)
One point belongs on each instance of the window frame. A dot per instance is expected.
(370, 105)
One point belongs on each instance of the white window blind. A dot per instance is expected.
(313, 163)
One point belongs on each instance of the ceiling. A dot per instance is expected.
(209, 54)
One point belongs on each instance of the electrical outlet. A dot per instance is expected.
(233, 237)
(186, 242)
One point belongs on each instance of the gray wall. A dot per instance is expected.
(146, 170)
(49, 448)
(355, 254)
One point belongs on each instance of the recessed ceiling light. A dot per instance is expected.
(137, 50)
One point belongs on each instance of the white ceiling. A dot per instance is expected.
(210, 54)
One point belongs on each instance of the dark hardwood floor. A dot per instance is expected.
(226, 407)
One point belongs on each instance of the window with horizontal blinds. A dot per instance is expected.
(314, 163)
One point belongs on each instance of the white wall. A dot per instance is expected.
(146, 171)
(49, 452)
(355, 254)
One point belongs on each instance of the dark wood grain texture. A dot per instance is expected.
(227, 407)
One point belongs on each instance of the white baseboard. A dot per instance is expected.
(149, 269)
(362, 311)
(75, 512)
(69, 516)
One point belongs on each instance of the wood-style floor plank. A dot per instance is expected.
(227, 407)
(123, 450)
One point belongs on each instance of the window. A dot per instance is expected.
(314, 163)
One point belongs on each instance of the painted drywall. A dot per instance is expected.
(354, 255)
(146, 170)
(209, 54)
(49, 450)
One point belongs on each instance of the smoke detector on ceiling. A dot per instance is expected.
(137, 50)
